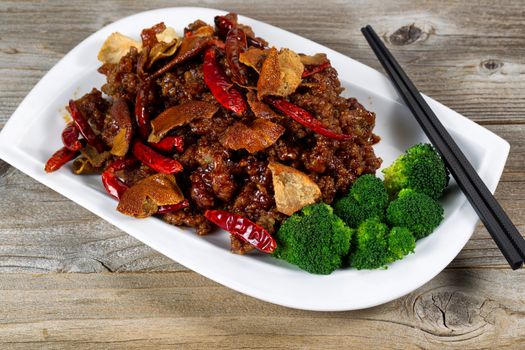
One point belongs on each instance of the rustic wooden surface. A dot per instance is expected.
(468, 55)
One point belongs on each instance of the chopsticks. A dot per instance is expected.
(503, 232)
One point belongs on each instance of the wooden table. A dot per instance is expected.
(69, 279)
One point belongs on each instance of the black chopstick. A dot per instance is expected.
(509, 245)
(504, 233)
(489, 199)
(507, 227)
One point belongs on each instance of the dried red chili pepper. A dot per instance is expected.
(220, 86)
(315, 69)
(155, 160)
(168, 143)
(235, 45)
(141, 111)
(59, 158)
(243, 228)
(224, 25)
(113, 185)
(164, 209)
(70, 136)
(84, 127)
(305, 118)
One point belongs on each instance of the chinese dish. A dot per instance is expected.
(218, 128)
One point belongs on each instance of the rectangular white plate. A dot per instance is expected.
(39, 119)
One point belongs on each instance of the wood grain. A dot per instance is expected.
(468, 55)
(460, 309)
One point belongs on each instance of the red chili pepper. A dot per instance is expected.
(113, 185)
(235, 45)
(243, 228)
(84, 127)
(169, 142)
(220, 86)
(70, 136)
(163, 209)
(59, 158)
(305, 118)
(315, 69)
(224, 25)
(155, 160)
(141, 111)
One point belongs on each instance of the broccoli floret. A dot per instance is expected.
(371, 245)
(314, 239)
(367, 198)
(371, 190)
(374, 245)
(415, 211)
(352, 213)
(400, 243)
(421, 168)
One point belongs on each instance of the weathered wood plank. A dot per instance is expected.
(468, 55)
(449, 49)
(53, 234)
(459, 309)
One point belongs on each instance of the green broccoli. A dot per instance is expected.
(353, 213)
(367, 198)
(421, 168)
(370, 245)
(400, 243)
(314, 239)
(415, 211)
(374, 245)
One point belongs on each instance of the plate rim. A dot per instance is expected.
(21, 160)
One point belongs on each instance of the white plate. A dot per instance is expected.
(39, 119)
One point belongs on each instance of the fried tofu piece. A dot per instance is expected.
(168, 43)
(180, 115)
(315, 60)
(255, 137)
(280, 73)
(293, 189)
(115, 47)
(254, 57)
(144, 198)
